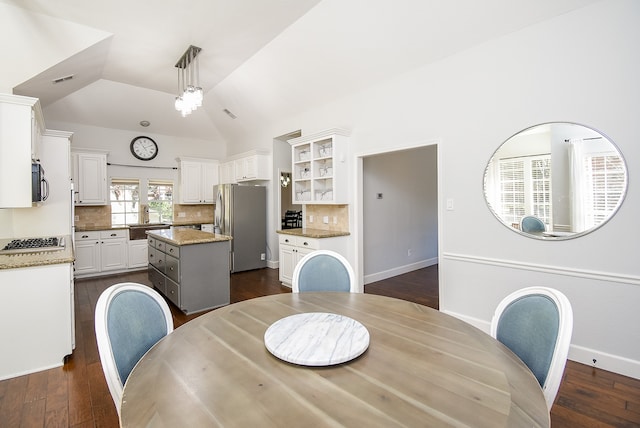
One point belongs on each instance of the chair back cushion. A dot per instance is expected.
(135, 322)
(529, 327)
(532, 224)
(324, 273)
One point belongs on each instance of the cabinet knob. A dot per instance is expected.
(114, 234)
(85, 236)
(150, 256)
(171, 250)
(286, 240)
(305, 243)
(171, 268)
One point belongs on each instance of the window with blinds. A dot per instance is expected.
(525, 188)
(124, 196)
(606, 179)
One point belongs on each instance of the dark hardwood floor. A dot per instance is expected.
(76, 395)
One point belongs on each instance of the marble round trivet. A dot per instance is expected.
(316, 339)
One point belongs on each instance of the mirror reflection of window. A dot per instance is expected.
(569, 176)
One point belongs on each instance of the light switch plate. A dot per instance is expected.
(449, 204)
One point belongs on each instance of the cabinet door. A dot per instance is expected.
(240, 167)
(87, 257)
(209, 179)
(113, 254)
(92, 179)
(190, 182)
(227, 173)
(138, 256)
(287, 263)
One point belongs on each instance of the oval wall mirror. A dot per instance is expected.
(555, 181)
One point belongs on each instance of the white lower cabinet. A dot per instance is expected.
(101, 251)
(36, 312)
(293, 248)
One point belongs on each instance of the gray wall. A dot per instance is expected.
(401, 229)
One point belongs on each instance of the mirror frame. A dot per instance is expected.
(564, 237)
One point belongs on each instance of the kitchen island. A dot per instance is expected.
(190, 267)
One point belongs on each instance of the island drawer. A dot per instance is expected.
(172, 268)
(172, 250)
(157, 279)
(173, 292)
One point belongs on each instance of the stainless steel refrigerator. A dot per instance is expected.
(241, 212)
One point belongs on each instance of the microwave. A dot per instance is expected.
(39, 184)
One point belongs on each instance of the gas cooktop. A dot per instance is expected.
(32, 245)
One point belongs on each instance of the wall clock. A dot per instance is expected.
(144, 148)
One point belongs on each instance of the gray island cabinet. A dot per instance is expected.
(190, 267)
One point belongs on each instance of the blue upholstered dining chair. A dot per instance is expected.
(130, 318)
(532, 224)
(323, 270)
(536, 324)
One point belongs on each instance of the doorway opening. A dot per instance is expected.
(397, 207)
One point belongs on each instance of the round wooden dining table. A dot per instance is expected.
(422, 368)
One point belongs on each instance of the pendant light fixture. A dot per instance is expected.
(190, 93)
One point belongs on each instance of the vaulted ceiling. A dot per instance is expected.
(261, 59)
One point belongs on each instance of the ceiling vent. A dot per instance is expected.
(231, 115)
(62, 79)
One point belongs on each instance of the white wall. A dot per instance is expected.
(580, 67)
(117, 143)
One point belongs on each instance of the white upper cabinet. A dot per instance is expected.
(21, 129)
(252, 167)
(197, 178)
(89, 177)
(319, 168)
(228, 172)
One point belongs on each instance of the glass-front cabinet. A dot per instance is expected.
(319, 168)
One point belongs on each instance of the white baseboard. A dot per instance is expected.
(604, 361)
(273, 264)
(379, 276)
(579, 354)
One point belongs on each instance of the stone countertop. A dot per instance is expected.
(40, 258)
(186, 236)
(97, 228)
(313, 233)
(190, 222)
(175, 223)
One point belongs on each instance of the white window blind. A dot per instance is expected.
(525, 188)
(606, 182)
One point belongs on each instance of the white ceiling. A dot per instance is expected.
(259, 58)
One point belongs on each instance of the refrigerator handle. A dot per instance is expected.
(218, 211)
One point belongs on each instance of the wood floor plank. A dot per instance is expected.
(36, 386)
(12, 401)
(33, 413)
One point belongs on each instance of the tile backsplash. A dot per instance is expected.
(100, 216)
(93, 217)
(337, 216)
(193, 213)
